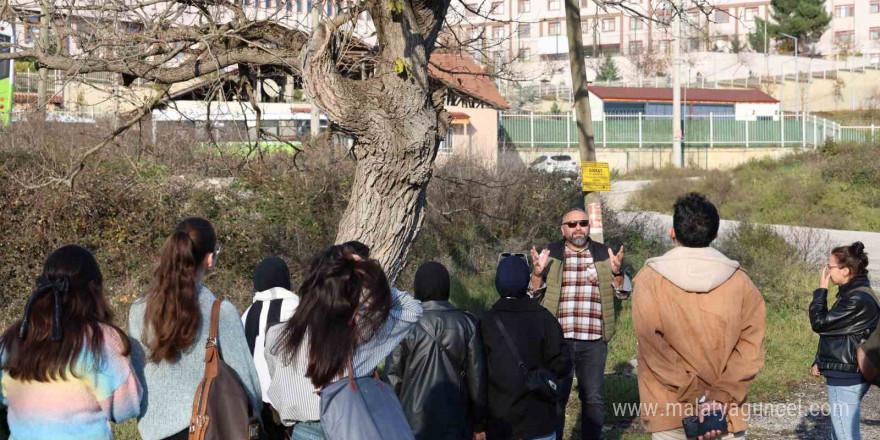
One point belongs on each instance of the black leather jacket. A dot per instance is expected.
(439, 373)
(842, 329)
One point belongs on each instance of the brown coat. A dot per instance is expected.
(700, 327)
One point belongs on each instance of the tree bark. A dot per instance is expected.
(397, 124)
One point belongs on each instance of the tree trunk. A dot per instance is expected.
(386, 208)
(396, 121)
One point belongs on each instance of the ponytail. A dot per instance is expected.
(172, 317)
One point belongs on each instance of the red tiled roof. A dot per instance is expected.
(459, 115)
(653, 94)
(462, 74)
(31, 97)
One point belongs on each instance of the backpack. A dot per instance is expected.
(221, 408)
(868, 367)
(362, 409)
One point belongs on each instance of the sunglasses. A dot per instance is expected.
(504, 255)
(576, 223)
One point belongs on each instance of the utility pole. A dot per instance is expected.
(580, 93)
(43, 82)
(315, 128)
(677, 153)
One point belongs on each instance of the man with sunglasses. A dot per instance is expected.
(578, 280)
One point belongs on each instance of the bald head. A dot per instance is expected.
(575, 214)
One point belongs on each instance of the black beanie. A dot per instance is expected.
(512, 278)
(432, 282)
(271, 272)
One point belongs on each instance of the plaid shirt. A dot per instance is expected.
(580, 306)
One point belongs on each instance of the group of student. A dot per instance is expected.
(67, 372)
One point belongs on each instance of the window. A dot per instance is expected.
(635, 24)
(722, 16)
(288, 5)
(525, 54)
(524, 30)
(750, 14)
(585, 27)
(875, 34)
(299, 6)
(497, 8)
(268, 4)
(635, 47)
(844, 10)
(608, 24)
(524, 6)
(694, 44)
(843, 37)
(875, 8)
(553, 5)
(554, 28)
(663, 46)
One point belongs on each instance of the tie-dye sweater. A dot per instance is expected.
(80, 407)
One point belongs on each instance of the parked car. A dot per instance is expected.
(560, 163)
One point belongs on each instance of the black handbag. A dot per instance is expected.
(538, 380)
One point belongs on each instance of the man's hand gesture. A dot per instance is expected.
(539, 261)
(616, 259)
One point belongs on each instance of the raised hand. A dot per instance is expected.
(825, 278)
(616, 259)
(539, 261)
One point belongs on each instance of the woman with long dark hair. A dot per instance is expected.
(65, 369)
(347, 321)
(170, 325)
(842, 328)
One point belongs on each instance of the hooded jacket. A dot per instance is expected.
(270, 307)
(700, 327)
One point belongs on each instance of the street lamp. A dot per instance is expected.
(797, 70)
(797, 90)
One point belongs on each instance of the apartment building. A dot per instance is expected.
(535, 30)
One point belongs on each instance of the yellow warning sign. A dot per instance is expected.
(596, 176)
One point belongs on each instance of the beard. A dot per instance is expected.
(578, 240)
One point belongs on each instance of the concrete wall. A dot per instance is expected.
(478, 139)
(624, 160)
(856, 91)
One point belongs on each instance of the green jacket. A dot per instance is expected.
(550, 296)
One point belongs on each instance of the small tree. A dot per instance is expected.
(555, 109)
(756, 38)
(608, 70)
(736, 45)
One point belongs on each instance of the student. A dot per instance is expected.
(170, 325)
(841, 329)
(700, 326)
(439, 371)
(514, 412)
(360, 319)
(273, 303)
(65, 370)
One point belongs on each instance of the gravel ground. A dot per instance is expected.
(804, 415)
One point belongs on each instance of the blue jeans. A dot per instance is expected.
(846, 403)
(307, 431)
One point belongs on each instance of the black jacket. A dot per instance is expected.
(439, 373)
(514, 412)
(842, 329)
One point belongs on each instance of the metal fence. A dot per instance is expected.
(542, 130)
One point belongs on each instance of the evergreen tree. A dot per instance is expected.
(608, 70)
(805, 19)
(756, 39)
